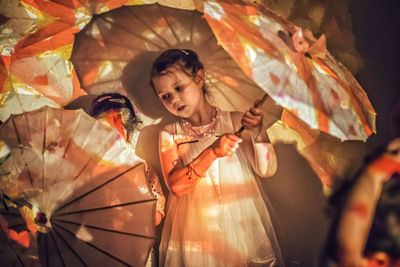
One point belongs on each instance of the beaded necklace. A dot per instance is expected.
(202, 130)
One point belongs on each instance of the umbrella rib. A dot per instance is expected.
(133, 33)
(227, 98)
(47, 250)
(19, 259)
(106, 207)
(108, 42)
(169, 24)
(93, 246)
(103, 59)
(106, 230)
(19, 142)
(58, 250)
(192, 26)
(69, 246)
(96, 188)
(147, 26)
(238, 79)
(43, 150)
(81, 171)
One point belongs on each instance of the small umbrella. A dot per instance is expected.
(293, 67)
(80, 188)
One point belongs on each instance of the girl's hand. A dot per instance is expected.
(226, 145)
(252, 118)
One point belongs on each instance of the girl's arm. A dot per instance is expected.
(157, 192)
(356, 219)
(181, 178)
(256, 144)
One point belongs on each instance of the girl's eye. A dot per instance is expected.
(165, 97)
(178, 88)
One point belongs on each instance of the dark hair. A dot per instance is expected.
(114, 101)
(186, 59)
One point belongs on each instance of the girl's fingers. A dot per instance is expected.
(253, 121)
(234, 138)
(249, 124)
(255, 111)
(249, 115)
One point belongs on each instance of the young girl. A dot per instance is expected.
(216, 215)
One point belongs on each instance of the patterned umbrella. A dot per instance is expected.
(80, 188)
(293, 67)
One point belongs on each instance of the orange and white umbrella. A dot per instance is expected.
(293, 67)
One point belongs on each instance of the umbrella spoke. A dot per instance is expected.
(58, 250)
(192, 27)
(19, 258)
(106, 207)
(94, 189)
(68, 245)
(226, 97)
(121, 27)
(109, 42)
(81, 171)
(43, 150)
(238, 79)
(148, 26)
(104, 59)
(93, 246)
(104, 229)
(46, 250)
(21, 146)
(169, 24)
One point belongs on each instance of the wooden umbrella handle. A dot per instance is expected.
(256, 105)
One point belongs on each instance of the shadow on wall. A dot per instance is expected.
(136, 81)
(296, 195)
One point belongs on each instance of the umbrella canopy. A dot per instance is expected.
(80, 188)
(293, 67)
(124, 42)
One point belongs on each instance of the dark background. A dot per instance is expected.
(376, 27)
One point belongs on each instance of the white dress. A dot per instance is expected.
(223, 221)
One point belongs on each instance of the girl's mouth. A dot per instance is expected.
(181, 108)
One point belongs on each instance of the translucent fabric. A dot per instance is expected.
(223, 221)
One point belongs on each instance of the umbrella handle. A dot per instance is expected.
(256, 105)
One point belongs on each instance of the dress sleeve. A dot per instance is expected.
(156, 189)
(261, 155)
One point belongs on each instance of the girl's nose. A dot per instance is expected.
(175, 100)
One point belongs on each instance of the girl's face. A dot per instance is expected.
(181, 94)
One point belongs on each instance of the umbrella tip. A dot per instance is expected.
(41, 218)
